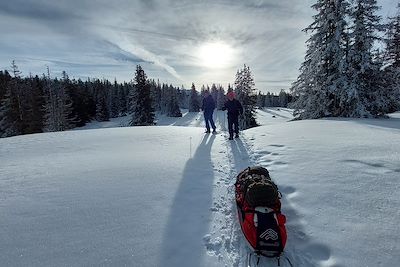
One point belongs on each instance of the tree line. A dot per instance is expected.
(44, 104)
(352, 62)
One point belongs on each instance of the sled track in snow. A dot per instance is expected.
(225, 239)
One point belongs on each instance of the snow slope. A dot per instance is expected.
(163, 195)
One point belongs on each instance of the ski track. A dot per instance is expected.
(224, 240)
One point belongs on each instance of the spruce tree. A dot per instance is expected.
(260, 100)
(36, 102)
(5, 79)
(12, 112)
(283, 99)
(245, 91)
(194, 104)
(320, 86)
(143, 112)
(392, 55)
(10, 121)
(214, 92)
(58, 108)
(173, 109)
(221, 98)
(392, 60)
(366, 92)
(123, 94)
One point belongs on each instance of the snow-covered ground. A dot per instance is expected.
(163, 195)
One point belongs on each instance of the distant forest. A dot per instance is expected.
(38, 104)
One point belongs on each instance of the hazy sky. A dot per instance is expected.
(179, 42)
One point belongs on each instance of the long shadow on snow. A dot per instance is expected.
(240, 155)
(182, 243)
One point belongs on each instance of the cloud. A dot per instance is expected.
(107, 38)
(42, 10)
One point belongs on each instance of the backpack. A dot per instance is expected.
(259, 211)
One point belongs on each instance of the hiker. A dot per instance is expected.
(234, 109)
(208, 110)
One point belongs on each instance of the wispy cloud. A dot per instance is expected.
(108, 38)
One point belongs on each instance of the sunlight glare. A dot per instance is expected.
(215, 55)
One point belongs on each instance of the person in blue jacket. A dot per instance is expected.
(234, 108)
(208, 107)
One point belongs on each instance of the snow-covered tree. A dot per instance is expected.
(260, 100)
(15, 105)
(143, 112)
(319, 89)
(392, 60)
(214, 92)
(283, 98)
(366, 94)
(221, 98)
(34, 122)
(245, 91)
(58, 108)
(194, 104)
(173, 109)
(10, 121)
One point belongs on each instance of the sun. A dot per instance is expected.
(215, 55)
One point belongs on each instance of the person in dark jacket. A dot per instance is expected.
(234, 109)
(208, 107)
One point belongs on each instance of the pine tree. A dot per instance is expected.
(10, 121)
(183, 97)
(12, 112)
(164, 99)
(214, 92)
(194, 104)
(260, 100)
(392, 61)
(115, 101)
(58, 108)
(35, 110)
(143, 112)
(245, 91)
(5, 79)
(366, 93)
(155, 89)
(268, 100)
(283, 99)
(123, 94)
(173, 109)
(221, 98)
(102, 106)
(392, 55)
(319, 88)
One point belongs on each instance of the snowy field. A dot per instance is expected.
(106, 195)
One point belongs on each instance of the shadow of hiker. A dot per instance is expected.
(182, 243)
(240, 155)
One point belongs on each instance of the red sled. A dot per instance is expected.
(259, 212)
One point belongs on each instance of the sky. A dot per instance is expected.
(164, 195)
(177, 42)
